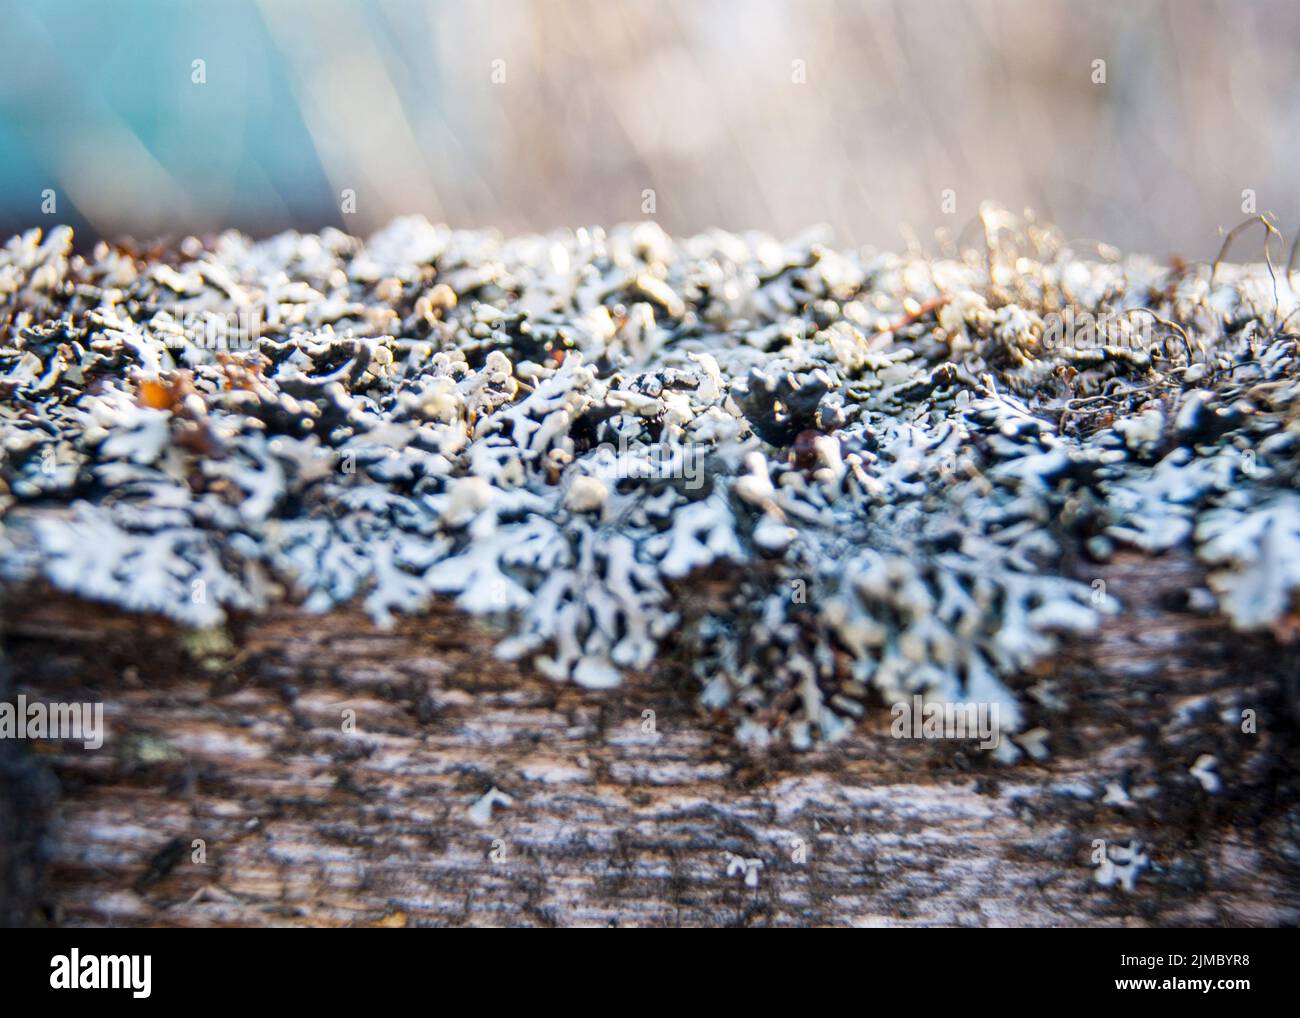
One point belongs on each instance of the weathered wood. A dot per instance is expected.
(242, 746)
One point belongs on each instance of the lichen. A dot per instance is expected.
(1122, 865)
(824, 478)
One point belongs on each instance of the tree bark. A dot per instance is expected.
(228, 792)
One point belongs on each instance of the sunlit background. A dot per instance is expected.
(735, 113)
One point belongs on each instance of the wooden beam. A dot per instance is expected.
(235, 743)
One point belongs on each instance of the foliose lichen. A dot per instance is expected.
(886, 468)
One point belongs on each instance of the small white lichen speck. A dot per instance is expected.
(481, 812)
(747, 868)
(886, 465)
(1203, 770)
(1121, 865)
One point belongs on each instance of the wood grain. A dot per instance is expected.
(241, 745)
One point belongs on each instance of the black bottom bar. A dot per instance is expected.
(1221, 967)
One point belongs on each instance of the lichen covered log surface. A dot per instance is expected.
(903, 465)
(761, 490)
(234, 745)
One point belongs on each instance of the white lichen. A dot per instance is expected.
(748, 869)
(481, 812)
(1203, 770)
(1121, 864)
(881, 466)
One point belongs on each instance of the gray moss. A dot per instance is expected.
(891, 466)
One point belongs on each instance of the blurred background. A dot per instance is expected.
(524, 116)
